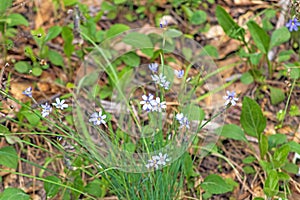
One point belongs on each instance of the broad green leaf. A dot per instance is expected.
(29, 53)
(116, 29)
(282, 176)
(3, 129)
(131, 59)
(198, 17)
(247, 78)
(211, 51)
(267, 166)
(4, 5)
(77, 184)
(140, 41)
(67, 35)
(290, 168)
(94, 188)
(53, 32)
(279, 36)
(255, 58)
(22, 67)
(51, 188)
(37, 71)
(188, 169)
(260, 36)
(187, 11)
(263, 145)
(249, 169)
(232, 131)
(295, 147)
(276, 139)
(271, 186)
(295, 72)
(277, 96)
(9, 157)
(249, 160)
(285, 55)
(55, 58)
(41, 33)
(252, 119)
(231, 28)
(14, 194)
(17, 19)
(214, 184)
(32, 118)
(173, 33)
(280, 155)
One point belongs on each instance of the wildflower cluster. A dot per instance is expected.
(46, 108)
(151, 104)
(161, 79)
(156, 161)
(183, 120)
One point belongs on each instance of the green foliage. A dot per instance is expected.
(277, 95)
(140, 41)
(279, 36)
(271, 186)
(14, 193)
(52, 186)
(232, 131)
(198, 17)
(252, 118)
(214, 184)
(247, 78)
(231, 28)
(260, 37)
(8, 157)
(5, 4)
(16, 20)
(22, 67)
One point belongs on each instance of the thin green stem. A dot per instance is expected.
(288, 102)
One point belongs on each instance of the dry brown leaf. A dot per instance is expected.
(44, 12)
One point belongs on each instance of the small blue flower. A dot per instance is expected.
(293, 24)
(148, 102)
(158, 79)
(97, 118)
(28, 92)
(163, 22)
(46, 110)
(179, 73)
(153, 67)
(165, 84)
(159, 105)
(183, 120)
(230, 98)
(60, 104)
(161, 80)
